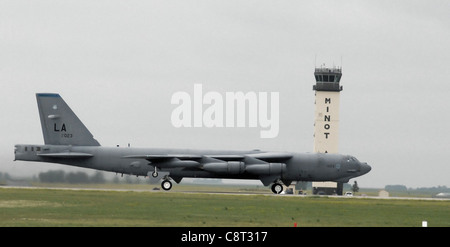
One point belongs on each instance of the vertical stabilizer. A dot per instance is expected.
(60, 125)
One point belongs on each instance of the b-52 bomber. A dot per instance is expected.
(69, 142)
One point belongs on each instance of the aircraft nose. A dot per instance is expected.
(365, 168)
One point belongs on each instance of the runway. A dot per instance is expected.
(212, 192)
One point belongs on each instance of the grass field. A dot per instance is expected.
(55, 207)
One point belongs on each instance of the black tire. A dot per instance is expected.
(277, 188)
(166, 185)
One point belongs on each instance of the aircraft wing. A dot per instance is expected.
(266, 157)
(164, 157)
(67, 155)
(267, 166)
(192, 160)
(271, 156)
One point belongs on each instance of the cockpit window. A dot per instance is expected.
(351, 158)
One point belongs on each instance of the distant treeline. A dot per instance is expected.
(59, 176)
(4, 177)
(403, 188)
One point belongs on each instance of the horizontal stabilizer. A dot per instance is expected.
(67, 155)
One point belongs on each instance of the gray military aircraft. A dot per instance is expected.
(68, 141)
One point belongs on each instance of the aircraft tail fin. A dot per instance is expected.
(60, 125)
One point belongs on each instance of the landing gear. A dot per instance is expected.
(155, 173)
(166, 184)
(277, 188)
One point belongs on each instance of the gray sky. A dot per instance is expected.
(117, 64)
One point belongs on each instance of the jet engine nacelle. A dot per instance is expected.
(231, 167)
(266, 169)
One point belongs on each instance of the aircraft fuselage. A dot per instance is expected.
(233, 164)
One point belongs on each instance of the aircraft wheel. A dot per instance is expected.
(166, 185)
(277, 188)
(155, 173)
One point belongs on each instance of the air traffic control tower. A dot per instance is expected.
(326, 120)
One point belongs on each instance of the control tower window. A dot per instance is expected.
(331, 78)
(317, 78)
(325, 78)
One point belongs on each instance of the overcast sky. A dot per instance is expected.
(118, 63)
